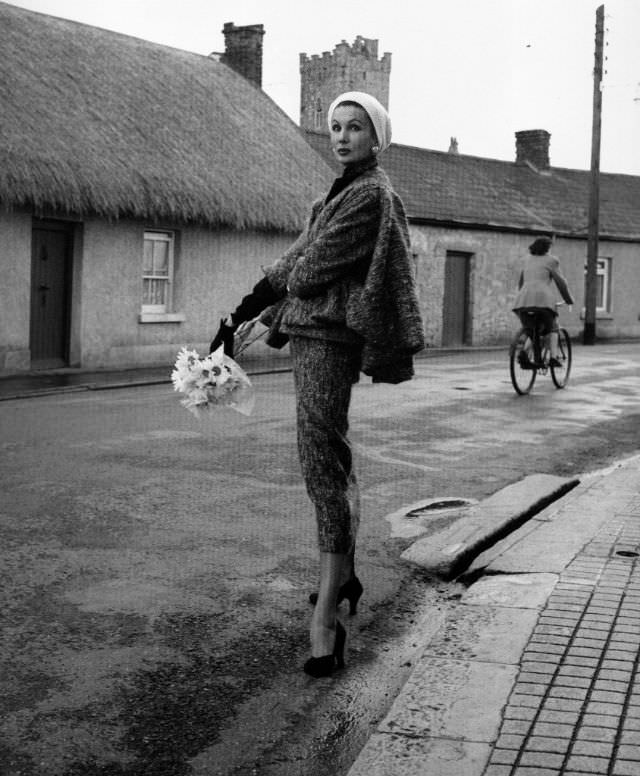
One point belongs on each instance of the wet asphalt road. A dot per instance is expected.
(155, 570)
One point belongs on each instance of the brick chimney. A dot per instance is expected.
(532, 145)
(243, 50)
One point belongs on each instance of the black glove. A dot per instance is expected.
(224, 336)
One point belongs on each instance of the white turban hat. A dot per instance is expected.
(375, 110)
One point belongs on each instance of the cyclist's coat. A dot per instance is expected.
(540, 282)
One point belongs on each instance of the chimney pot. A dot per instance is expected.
(532, 145)
(243, 50)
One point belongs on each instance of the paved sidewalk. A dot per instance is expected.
(537, 671)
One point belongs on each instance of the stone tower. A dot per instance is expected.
(348, 68)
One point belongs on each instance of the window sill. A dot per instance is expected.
(161, 318)
(601, 315)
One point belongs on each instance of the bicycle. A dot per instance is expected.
(529, 354)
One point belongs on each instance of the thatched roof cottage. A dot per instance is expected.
(141, 187)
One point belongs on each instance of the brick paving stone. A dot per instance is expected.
(633, 712)
(610, 685)
(527, 701)
(608, 709)
(629, 752)
(509, 741)
(590, 642)
(529, 688)
(571, 693)
(586, 662)
(598, 623)
(583, 652)
(630, 738)
(547, 649)
(533, 771)
(542, 657)
(570, 596)
(548, 744)
(606, 696)
(561, 717)
(590, 765)
(593, 749)
(563, 620)
(588, 733)
(561, 680)
(553, 730)
(551, 638)
(516, 726)
(504, 756)
(556, 628)
(571, 670)
(581, 773)
(519, 712)
(532, 677)
(627, 665)
(564, 608)
(601, 720)
(564, 704)
(612, 673)
(538, 667)
(497, 770)
(629, 625)
(624, 637)
(541, 759)
(625, 768)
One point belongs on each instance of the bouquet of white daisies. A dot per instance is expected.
(211, 382)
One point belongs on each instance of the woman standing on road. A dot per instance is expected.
(344, 297)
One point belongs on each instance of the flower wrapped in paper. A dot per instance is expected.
(211, 382)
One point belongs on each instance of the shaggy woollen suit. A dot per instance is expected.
(349, 278)
(349, 304)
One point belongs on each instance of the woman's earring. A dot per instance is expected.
(375, 149)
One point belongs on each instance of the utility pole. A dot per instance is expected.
(591, 278)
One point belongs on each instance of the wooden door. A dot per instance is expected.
(455, 314)
(51, 251)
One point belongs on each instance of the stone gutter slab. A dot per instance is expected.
(448, 553)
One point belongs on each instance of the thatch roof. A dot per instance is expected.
(469, 191)
(93, 121)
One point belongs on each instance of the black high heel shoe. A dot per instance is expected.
(325, 665)
(351, 590)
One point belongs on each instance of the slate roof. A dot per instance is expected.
(93, 121)
(460, 190)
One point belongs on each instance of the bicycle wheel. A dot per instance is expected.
(560, 374)
(523, 372)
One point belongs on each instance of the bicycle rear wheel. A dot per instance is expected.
(521, 359)
(560, 374)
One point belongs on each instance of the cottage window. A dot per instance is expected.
(157, 272)
(603, 284)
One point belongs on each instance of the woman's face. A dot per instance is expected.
(352, 134)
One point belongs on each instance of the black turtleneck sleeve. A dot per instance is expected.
(262, 296)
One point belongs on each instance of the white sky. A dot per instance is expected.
(479, 70)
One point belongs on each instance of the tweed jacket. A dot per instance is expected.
(349, 278)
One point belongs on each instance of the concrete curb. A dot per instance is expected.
(450, 552)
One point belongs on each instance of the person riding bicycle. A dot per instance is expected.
(537, 296)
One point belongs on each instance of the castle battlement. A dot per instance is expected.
(349, 67)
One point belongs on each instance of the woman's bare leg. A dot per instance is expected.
(333, 567)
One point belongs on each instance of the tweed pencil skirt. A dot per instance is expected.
(324, 373)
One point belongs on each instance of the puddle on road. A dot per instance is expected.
(422, 517)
